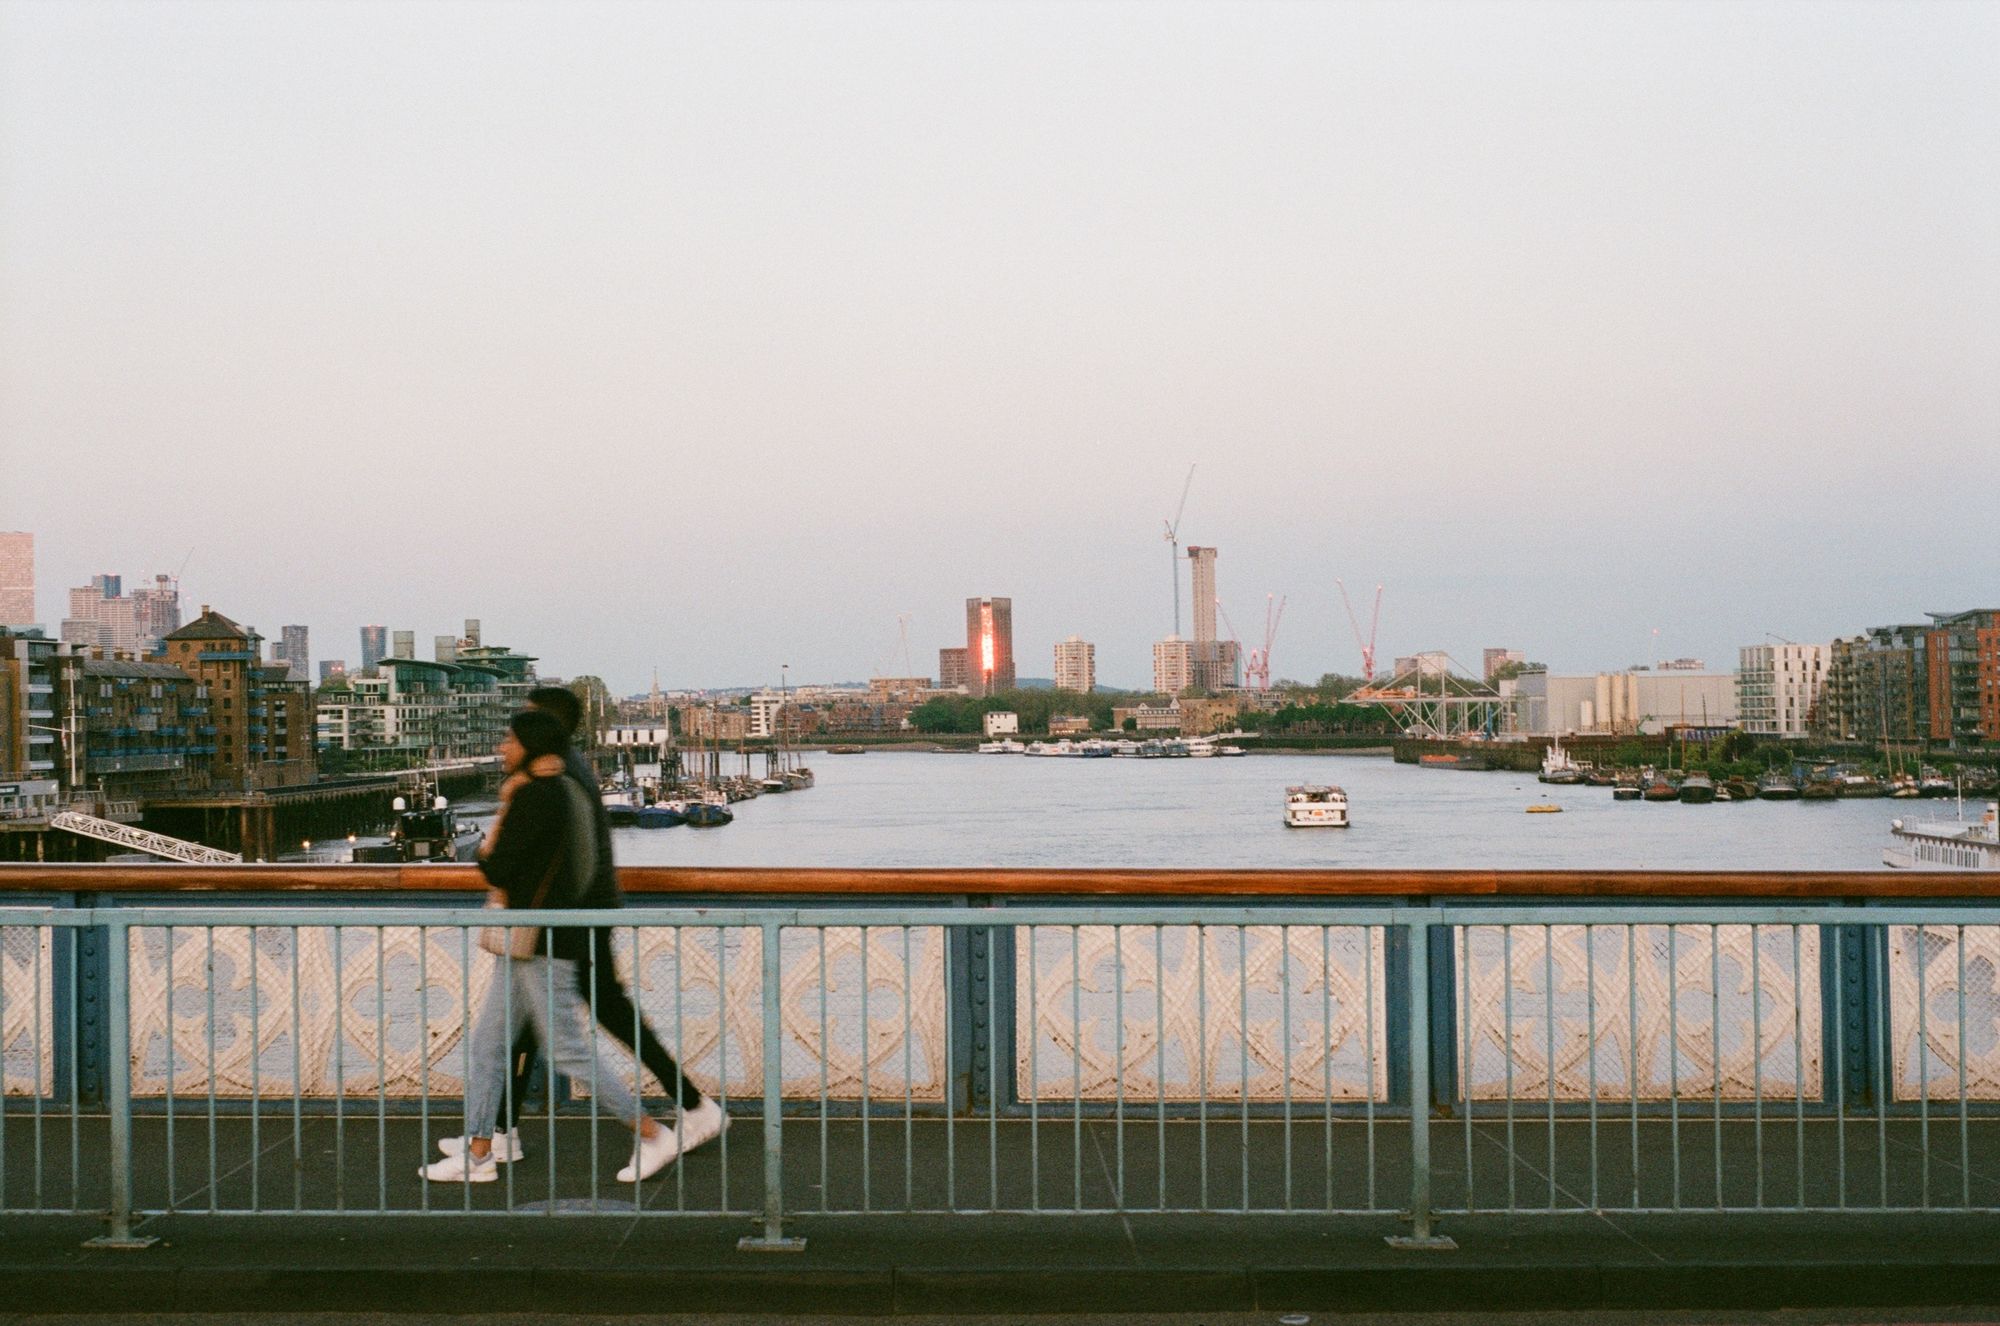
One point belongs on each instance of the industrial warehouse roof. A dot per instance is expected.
(211, 625)
(126, 667)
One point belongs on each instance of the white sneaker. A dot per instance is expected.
(460, 1169)
(507, 1146)
(650, 1155)
(704, 1123)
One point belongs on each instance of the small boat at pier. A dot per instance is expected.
(1697, 789)
(1776, 786)
(427, 830)
(662, 816)
(1558, 767)
(704, 814)
(1854, 783)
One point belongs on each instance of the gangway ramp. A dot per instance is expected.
(154, 844)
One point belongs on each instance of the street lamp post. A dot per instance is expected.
(69, 749)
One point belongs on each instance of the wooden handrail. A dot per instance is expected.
(758, 881)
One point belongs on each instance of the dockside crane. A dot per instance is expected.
(1367, 642)
(1174, 543)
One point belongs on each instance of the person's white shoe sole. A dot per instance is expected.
(453, 1169)
(507, 1147)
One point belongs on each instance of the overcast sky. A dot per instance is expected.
(713, 337)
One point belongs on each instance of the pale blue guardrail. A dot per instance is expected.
(1051, 1058)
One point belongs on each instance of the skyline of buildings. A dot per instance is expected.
(1933, 681)
(102, 615)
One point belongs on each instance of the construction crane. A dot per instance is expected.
(1174, 543)
(1367, 643)
(1257, 662)
(1260, 663)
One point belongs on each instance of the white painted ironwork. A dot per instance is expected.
(1186, 1017)
(1926, 1049)
(700, 989)
(127, 835)
(27, 1011)
(1699, 1033)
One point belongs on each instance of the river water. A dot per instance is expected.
(891, 808)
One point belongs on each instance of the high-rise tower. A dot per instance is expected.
(1202, 567)
(17, 579)
(989, 645)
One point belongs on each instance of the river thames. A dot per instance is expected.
(894, 808)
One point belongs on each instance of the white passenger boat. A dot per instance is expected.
(1004, 746)
(1201, 748)
(1946, 844)
(1315, 806)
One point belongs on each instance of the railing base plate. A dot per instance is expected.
(752, 1243)
(1434, 1243)
(126, 1243)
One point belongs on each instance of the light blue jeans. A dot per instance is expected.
(568, 1041)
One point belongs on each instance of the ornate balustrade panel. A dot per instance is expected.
(1930, 1045)
(826, 1041)
(1700, 1028)
(361, 1010)
(27, 1011)
(1187, 1025)
(316, 1010)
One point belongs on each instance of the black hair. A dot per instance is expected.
(540, 733)
(560, 701)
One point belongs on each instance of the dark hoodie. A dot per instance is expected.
(546, 855)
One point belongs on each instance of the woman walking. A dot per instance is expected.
(542, 855)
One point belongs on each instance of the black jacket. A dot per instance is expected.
(603, 890)
(546, 855)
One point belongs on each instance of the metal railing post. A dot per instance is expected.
(1421, 1234)
(773, 1238)
(119, 1089)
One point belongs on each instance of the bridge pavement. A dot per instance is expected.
(628, 1261)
